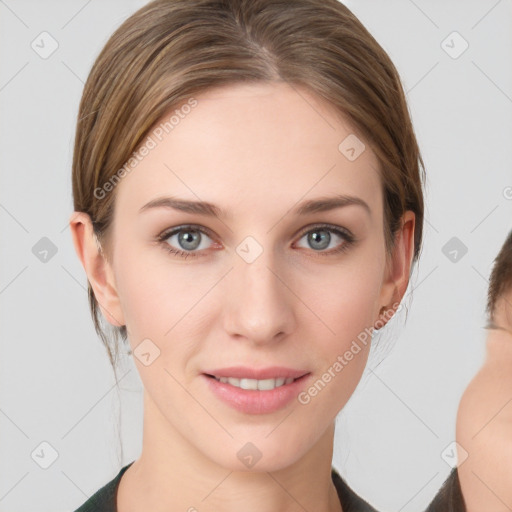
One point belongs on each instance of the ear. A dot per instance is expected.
(98, 269)
(398, 267)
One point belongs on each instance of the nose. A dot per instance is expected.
(259, 301)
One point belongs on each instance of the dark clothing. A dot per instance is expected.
(449, 498)
(350, 501)
(104, 500)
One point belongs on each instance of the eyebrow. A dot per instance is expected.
(321, 204)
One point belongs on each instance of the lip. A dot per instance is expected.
(251, 401)
(245, 372)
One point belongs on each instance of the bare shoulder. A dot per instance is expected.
(484, 431)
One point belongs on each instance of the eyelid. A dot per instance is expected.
(166, 233)
(324, 225)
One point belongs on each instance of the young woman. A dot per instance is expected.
(248, 208)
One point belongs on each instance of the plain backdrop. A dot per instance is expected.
(58, 401)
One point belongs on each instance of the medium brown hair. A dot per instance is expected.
(170, 50)
(500, 282)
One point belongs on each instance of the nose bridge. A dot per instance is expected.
(260, 307)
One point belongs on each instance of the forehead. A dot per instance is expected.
(242, 146)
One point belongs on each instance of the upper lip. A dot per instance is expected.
(245, 372)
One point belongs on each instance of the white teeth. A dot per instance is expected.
(248, 383)
(262, 385)
(267, 384)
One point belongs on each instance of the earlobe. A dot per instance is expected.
(98, 270)
(398, 270)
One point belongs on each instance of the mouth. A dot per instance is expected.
(255, 384)
(249, 395)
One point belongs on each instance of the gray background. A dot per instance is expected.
(56, 383)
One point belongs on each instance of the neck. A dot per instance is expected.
(172, 474)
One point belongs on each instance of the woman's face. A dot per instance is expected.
(262, 284)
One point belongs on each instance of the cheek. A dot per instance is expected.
(356, 303)
(348, 301)
(348, 309)
(152, 294)
(167, 302)
(345, 297)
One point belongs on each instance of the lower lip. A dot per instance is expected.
(253, 401)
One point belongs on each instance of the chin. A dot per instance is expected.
(261, 453)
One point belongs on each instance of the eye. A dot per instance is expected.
(319, 238)
(189, 240)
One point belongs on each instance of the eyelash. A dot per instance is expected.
(349, 239)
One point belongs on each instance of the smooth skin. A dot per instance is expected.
(484, 422)
(257, 151)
